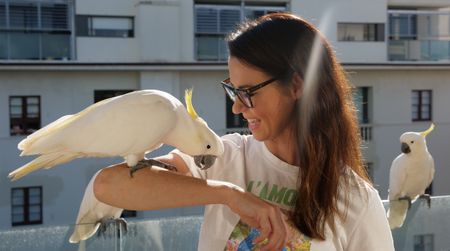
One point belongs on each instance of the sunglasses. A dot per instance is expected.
(244, 95)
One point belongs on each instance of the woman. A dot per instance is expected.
(303, 158)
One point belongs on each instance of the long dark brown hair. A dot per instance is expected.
(328, 144)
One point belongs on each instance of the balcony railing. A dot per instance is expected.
(424, 228)
(419, 50)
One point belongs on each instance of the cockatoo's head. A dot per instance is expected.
(412, 141)
(206, 145)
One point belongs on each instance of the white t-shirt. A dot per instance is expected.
(248, 163)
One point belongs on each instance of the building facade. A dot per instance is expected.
(60, 56)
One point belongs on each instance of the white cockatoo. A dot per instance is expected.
(411, 173)
(130, 126)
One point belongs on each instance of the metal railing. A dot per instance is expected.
(423, 226)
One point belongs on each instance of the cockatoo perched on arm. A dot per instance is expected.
(411, 173)
(130, 126)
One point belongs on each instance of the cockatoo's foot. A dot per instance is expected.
(426, 197)
(407, 198)
(149, 163)
(105, 223)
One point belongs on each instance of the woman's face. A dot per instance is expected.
(271, 115)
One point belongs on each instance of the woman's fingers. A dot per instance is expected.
(278, 231)
(267, 218)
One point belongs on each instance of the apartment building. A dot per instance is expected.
(60, 56)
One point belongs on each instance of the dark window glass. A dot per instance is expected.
(24, 114)
(26, 206)
(103, 26)
(100, 95)
(421, 105)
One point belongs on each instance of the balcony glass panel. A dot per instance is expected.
(55, 46)
(423, 228)
(24, 45)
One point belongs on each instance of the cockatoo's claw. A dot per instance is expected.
(105, 223)
(427, 197)
(407, 198)
(149, 163)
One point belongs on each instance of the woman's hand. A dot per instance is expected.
(267, 218)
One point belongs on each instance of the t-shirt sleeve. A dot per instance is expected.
(372, 231)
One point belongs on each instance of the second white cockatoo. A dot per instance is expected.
(130, 126)
(411, 173)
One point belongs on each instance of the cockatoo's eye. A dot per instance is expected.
(208, 147)
(412, 141)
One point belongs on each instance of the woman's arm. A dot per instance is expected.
(156, 188)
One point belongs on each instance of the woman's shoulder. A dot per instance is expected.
(357, 196)
(236, 139)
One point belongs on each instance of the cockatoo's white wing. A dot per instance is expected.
(397, 209)
(397, 177)
(91, 212)
(431, 174)
(133, 124)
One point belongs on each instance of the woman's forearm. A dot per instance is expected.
(155, 188)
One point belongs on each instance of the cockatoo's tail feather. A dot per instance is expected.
(189, 106)
(426, 132)
(397, 213)
(43, 161)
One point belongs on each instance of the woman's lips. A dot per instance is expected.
(253, 124)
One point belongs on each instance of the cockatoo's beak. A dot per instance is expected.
(405, 148)
(425, 133)
(204, 161)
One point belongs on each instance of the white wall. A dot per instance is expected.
(327, 14)
(107, 49)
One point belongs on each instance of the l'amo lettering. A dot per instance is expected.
(271, 192)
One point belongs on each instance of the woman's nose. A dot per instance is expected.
(238, 107)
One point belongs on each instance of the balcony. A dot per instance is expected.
(424, 229)
(419, 35)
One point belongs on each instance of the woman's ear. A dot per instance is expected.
(297, 85)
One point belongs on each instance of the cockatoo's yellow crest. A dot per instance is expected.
(425, 133)
(189, 106)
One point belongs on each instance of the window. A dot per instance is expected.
(233, 120)
(424, 242)
(402, 26)
(361, 99)
(100, 95)
(24, 114)
(26, 206)
(128, 214)
(360, 32)
(103, 26)
(421, 105)
(35, 30)
(214, 21)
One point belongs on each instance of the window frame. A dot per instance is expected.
(420, 104)
(26, 206)
(90, 31)
(379, 35)
(24, 120)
